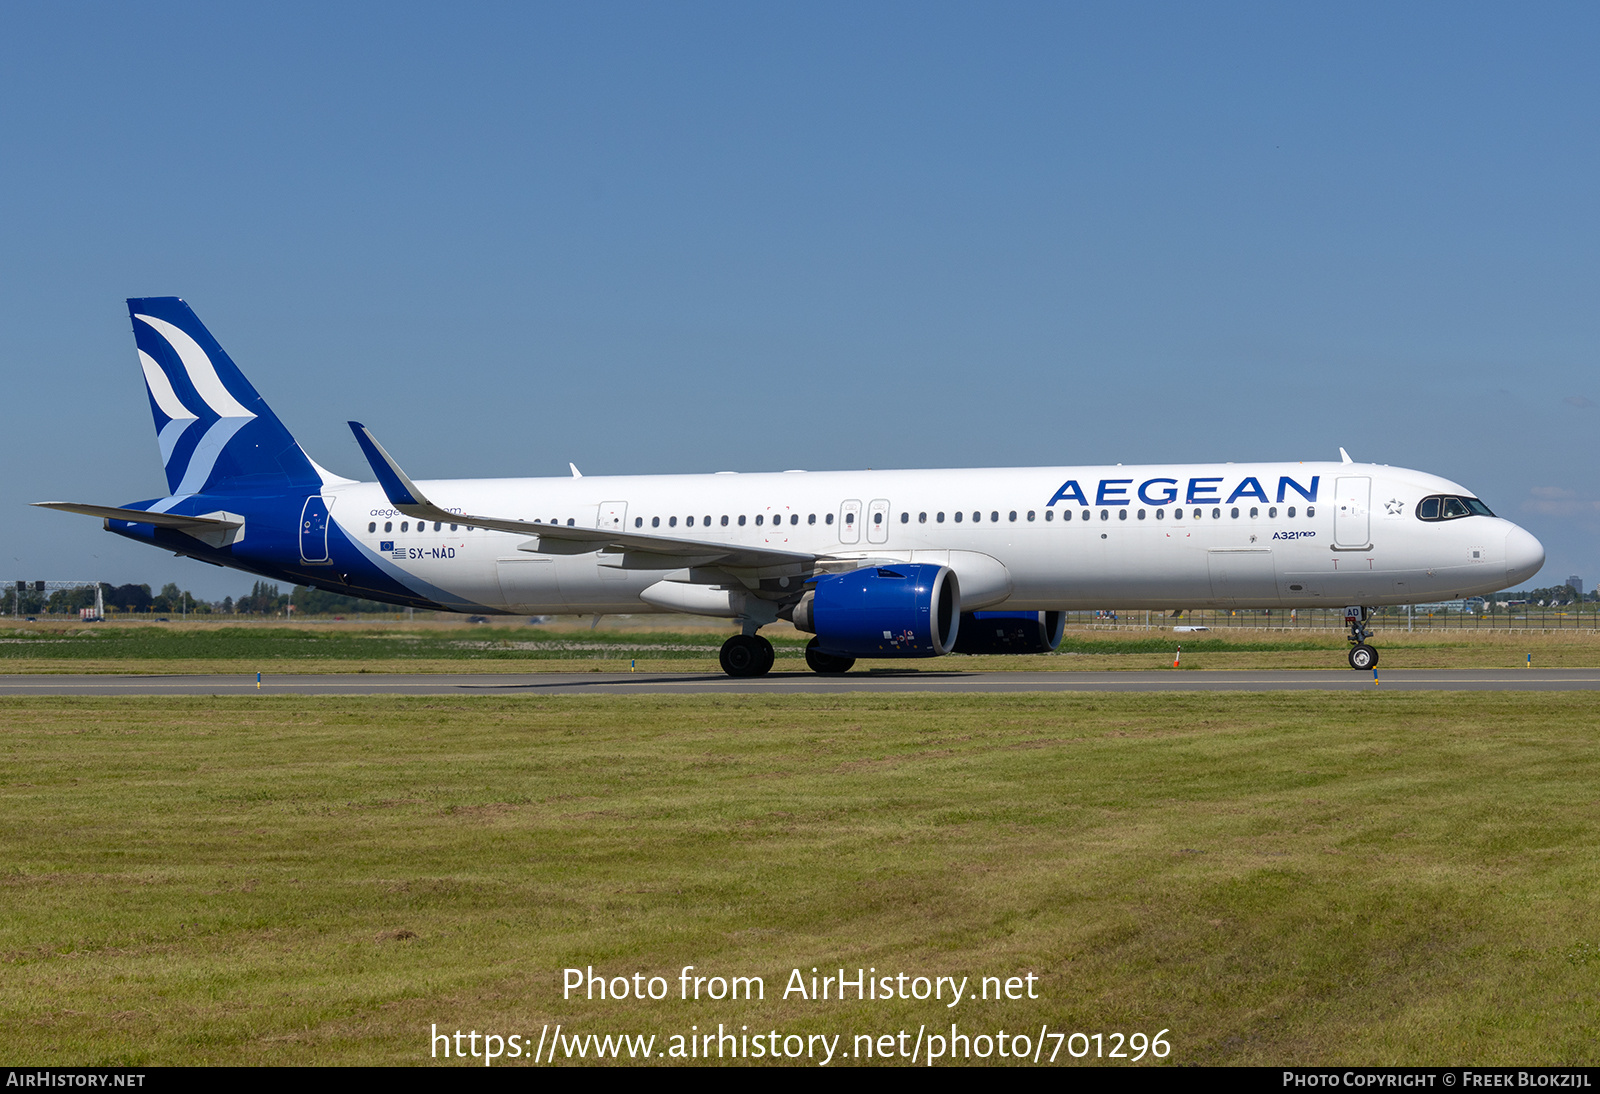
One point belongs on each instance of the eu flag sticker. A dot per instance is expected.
(386, 545)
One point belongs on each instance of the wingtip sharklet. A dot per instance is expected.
(397, 485)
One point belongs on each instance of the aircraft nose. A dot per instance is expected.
(1524, 556)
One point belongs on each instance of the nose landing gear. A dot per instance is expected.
(1362, 656)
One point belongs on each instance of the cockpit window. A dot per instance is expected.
(1448, 507)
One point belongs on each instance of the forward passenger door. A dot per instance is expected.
(1352, 512)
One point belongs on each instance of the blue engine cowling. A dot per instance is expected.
(1011, 632)
(912, 610)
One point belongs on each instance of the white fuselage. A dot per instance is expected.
(1190, 536)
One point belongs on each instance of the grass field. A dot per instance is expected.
(455, 648)
(1282, 878)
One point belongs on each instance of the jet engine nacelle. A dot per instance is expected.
(907, 610)
(1011, 632)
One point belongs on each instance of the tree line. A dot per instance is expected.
(263, 599)
(1552, 595)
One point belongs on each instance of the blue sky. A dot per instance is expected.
(692, 237)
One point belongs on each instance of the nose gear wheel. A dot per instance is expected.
(1362, 656)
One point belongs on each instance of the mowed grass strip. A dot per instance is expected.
(1284, 878)
(433, 648)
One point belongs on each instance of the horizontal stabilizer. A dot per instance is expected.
(215, 529)
(405, 496)
(139, 516)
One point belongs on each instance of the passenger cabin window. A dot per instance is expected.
(741, 520)
(1141, 514)
(759, 520)
(1234, 513)
(373, 527)
(655, 522)
(452, 527)
(1254, 512)
(827, 518)
(638, 522)
(1030, 514)
(1216, 514)
(939, 519)
(1291, 512)
(1050, 514)
(405, 526)
(1162, 513)
(672, 522)
(1122, 514)
(1273, 511)
(905, 518)
(922, 518)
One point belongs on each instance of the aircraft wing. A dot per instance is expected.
(179, 521)
(404, 495)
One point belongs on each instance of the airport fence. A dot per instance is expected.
(1571, 618)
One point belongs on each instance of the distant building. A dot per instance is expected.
(1577, 585)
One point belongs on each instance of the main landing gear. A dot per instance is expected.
(826, 663)
(1362, 656)
(747, 655)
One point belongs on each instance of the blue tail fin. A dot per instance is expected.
(217, 435)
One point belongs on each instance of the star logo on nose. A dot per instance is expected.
(1393, 506)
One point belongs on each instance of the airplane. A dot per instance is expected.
(874, 564)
